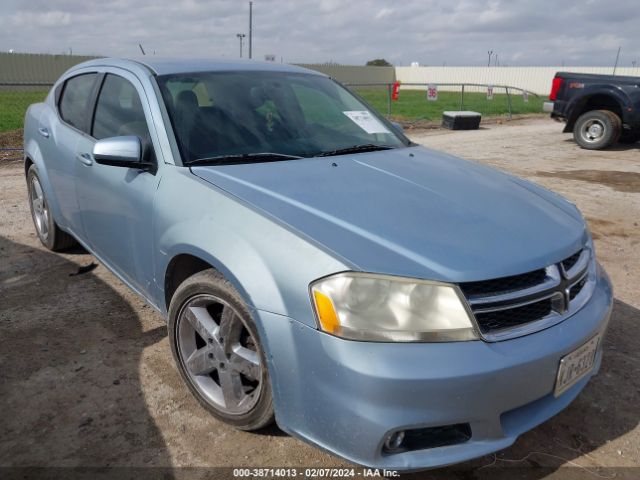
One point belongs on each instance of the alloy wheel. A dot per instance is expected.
(40, 208)
(219, 354)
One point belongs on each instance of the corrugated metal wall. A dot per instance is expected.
(42, 68)
(534, 79)
(35, 68)
(356, 74)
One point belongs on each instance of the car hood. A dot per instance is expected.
(411, 211)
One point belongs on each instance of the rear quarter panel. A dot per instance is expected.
(33, 149)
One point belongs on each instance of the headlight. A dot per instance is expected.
(383, 308)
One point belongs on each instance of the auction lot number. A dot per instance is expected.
(313, 473)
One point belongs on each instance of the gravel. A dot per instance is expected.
(66, 338)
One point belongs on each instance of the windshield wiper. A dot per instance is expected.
(367, 147)
(242, 158)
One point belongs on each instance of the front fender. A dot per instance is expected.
(270, 265)
(191, 239)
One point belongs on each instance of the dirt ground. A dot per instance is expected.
(87, 378)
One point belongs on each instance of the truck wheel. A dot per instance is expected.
(48, 231)
(597, 129)
(218, 352)
(629, 136)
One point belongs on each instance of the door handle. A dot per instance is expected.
(44, 132)
(85, 158)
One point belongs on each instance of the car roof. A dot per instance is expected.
(167, 66)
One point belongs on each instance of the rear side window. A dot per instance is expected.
(75, 99)
(119, 111)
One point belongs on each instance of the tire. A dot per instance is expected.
(597, 129)
(216, 347)
(51, 236)
(629, 136)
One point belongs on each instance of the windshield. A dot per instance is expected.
(243, 114)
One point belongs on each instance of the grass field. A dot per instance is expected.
(412, 105)
(13, 105)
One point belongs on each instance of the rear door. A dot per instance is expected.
(61, 136)
(116, 203)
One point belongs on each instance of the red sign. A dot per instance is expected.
(396, 91)
(432, 93)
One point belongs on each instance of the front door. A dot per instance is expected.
(116, 203)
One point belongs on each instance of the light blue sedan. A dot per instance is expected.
(394, 305)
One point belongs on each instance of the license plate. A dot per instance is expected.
(576, 365)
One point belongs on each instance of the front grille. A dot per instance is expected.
(513, 317)
(577, 288)
(504, 284)
(568, 263)
(502, 304)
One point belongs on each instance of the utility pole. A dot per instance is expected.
(241, 37)
(490, 52)
(250, 29)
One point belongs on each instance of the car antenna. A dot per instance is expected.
(617, 58)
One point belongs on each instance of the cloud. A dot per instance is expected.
(458, 32)
(51, 19)
(383, 12)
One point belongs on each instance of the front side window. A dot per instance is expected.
(74, 102)
(119, 111)
(216, 114)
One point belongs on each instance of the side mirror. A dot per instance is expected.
(120, 152)
(398, 126)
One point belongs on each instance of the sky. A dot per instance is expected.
(431, 32)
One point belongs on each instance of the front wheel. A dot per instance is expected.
(597, 129)
(217, 349)
(48, 231)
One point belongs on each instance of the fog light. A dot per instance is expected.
(393, 442)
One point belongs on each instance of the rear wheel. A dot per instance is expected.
(48, 231)
(216, 347)
(597, 129)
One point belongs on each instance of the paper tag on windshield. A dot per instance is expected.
(366, 121)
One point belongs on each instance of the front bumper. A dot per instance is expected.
(346, 396)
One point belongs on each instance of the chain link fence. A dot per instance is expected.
(413, 103)
(15, 98)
